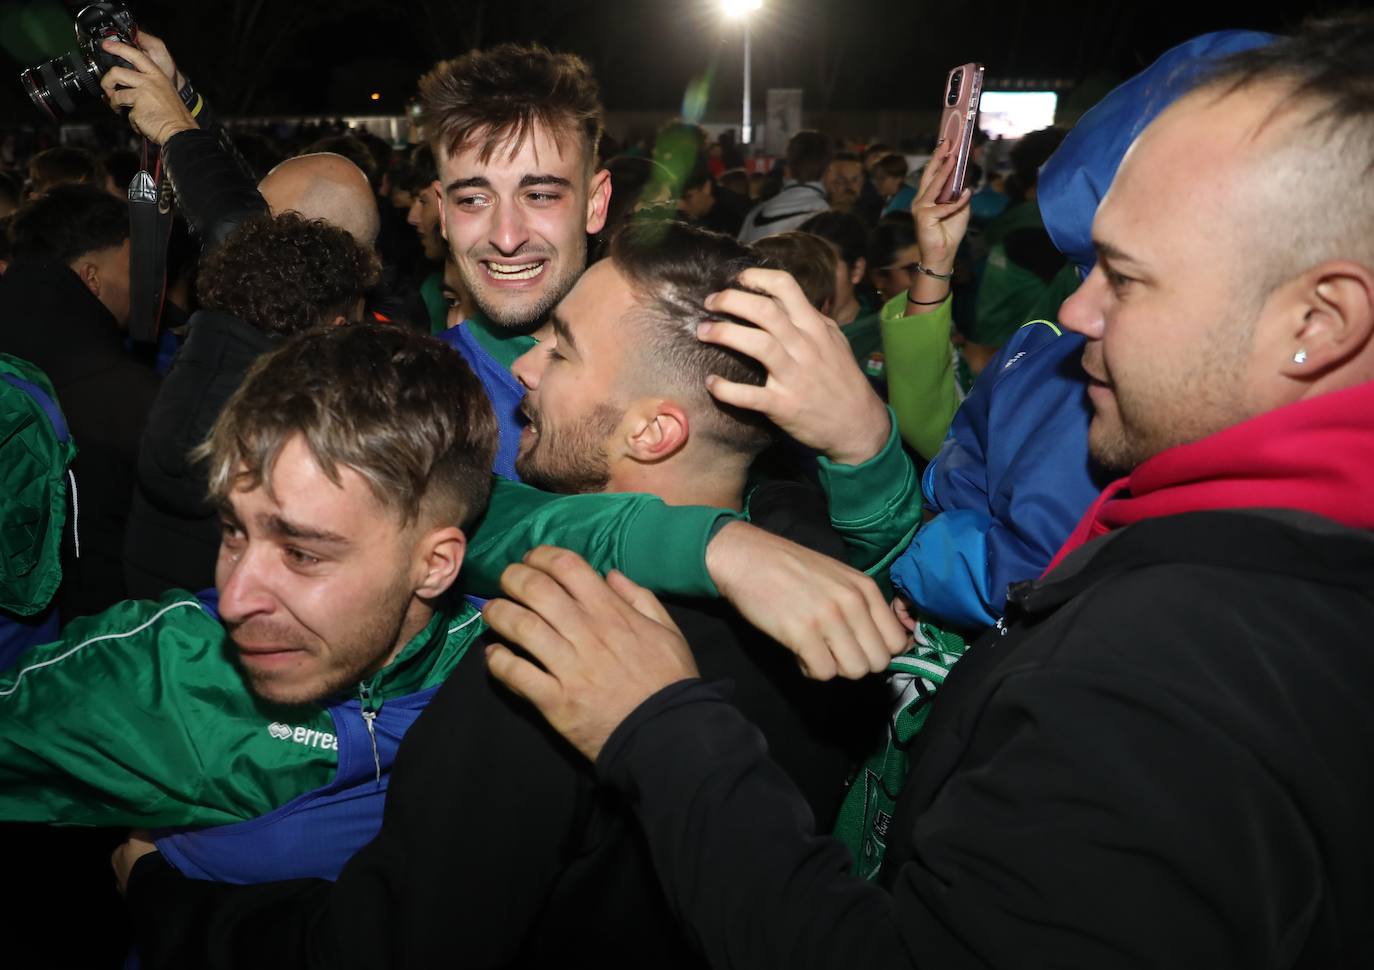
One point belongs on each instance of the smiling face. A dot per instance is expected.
(571, 380)
(517, 223)
(1169, 311)
(316, 580)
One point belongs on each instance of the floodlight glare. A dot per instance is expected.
(740, 8)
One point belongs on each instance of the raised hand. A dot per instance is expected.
(939, 227)
(814, 391)
(156, 110)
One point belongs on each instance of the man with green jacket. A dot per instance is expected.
(345, 468)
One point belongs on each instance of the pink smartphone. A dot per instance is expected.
(963, 88)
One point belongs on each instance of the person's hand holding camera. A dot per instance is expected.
(147, 89)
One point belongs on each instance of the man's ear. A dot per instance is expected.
(858, 270)
(655, 429)
(438, 190)
(440, 557)
(1331, 320)
(598, 201)
(90, 275)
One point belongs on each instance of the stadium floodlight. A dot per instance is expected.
(740, 10)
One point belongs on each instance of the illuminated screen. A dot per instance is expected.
(1012, 114)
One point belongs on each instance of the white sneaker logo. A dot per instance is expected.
(301, 735)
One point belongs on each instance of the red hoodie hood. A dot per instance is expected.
(1316, 455)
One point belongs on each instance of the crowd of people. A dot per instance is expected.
(516, 547)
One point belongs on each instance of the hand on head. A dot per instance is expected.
(815, 391)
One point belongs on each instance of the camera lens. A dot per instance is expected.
(953, 96)
(54, 85)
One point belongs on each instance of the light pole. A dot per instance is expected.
(740, 10)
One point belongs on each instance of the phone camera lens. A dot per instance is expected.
(953, 96)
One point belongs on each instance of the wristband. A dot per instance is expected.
(191, 98)
(925, 302)
(922, 268)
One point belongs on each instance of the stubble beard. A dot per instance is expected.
(572, 460)
(520, 319)
(342, 666)
(1186, 408)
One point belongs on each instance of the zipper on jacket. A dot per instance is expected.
(369, 715)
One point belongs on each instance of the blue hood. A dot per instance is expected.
(1079, 173)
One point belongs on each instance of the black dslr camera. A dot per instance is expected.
(55, 85)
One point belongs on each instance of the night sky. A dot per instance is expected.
(306, 56)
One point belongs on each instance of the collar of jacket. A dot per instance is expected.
(1316, 455)
(57, 286)
(1291, 542)
(228, 326)
(428, 658)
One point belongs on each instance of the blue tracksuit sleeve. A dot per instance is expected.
(1005, 495)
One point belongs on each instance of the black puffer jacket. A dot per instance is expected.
(1166, 761)
(173, 534)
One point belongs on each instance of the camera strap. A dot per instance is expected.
(150, 226)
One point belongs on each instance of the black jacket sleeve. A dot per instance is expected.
(209, 368)
(480, 787)
(1098, 813)
(213, 191)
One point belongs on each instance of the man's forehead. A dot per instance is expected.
(597, 302)
(1181, 169)
(294, 485)
(514, 153)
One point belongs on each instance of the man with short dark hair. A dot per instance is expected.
(63, 304)
(1163, 754)
(255, 724)
(810, 260)
(803, 192)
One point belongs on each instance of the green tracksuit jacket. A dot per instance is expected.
(139, 716)
(875, 507)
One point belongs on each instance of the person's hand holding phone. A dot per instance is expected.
(940, 227)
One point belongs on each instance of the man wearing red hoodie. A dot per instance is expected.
(1164, 755)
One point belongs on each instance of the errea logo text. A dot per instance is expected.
(301, 735)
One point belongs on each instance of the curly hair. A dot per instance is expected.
(287, 274)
